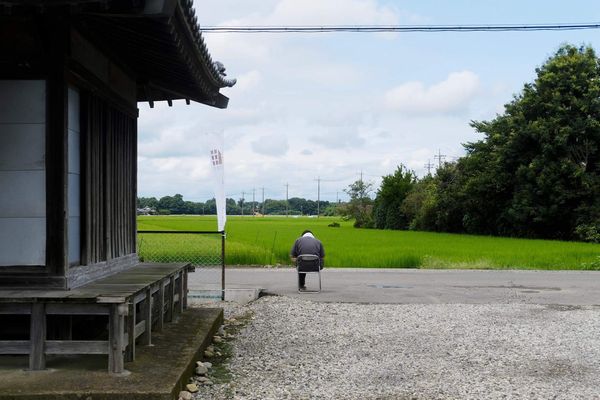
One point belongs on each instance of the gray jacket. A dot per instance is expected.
(307, 245)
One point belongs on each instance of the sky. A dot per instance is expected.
(331, 106)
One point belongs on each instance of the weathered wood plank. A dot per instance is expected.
(131, 334)
(146, 311)
(171, 298)
(140, 296)
(24, 282)
(180, 293)
(111, 299)
(76, 347)
(185, 287)
(37, 337)
(140, 328)
(15, 308)
(116, 329)
(122, 285)
(161, 306)
(77, 309)
(107, 189)
(15, 346)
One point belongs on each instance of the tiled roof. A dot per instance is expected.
(158, 41)
(216, 69)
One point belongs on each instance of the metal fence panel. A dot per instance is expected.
(203, 250)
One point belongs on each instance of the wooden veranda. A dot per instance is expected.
(136, 301)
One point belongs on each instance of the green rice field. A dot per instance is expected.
(267, 241)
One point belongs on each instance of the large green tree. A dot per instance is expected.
(536, 172)
(394, 188)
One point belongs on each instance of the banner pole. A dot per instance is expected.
(223, 266)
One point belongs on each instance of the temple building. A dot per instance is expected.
(71, 76)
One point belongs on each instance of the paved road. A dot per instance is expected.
(407, 286)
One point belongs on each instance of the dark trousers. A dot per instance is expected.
(301, 279)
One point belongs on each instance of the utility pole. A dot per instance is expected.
(253, 203)
(440, 157)
(429, 165)
(243, 193)
(263, 201)
(287, 207)
(337, 197)
(318, 196)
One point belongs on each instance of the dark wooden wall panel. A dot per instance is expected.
(110, 181)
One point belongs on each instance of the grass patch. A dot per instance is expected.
(267, 241)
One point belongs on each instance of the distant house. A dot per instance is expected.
(146, 211)
(71, 76)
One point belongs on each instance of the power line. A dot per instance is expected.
(403, 28)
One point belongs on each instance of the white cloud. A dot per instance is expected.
(247, 81)
(452, 95)
(317, 71)
(271, 145)
(170, 141)
(308, 106)
(339, 137)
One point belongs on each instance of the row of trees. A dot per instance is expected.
(535, 173)
(177, 205)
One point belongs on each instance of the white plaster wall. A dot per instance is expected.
(74, 186)
(22, 172)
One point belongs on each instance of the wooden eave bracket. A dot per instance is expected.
(148, 93)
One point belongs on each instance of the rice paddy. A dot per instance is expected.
(267, 241)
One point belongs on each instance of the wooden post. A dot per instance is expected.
(171, 298)
(57, 36)
(161, 306)
(223, 266)
(116, 328)
(37, 337)
(146, 337)
(130, 351)
(185, 287)
(180, 293)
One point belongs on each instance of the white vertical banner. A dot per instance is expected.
(216, 142)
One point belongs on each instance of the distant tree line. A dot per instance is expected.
(535, 173)
(176, 205)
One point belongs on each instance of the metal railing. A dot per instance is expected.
(205, 250)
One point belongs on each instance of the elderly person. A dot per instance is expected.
(306, 244)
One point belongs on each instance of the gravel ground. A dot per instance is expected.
(296, 349)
